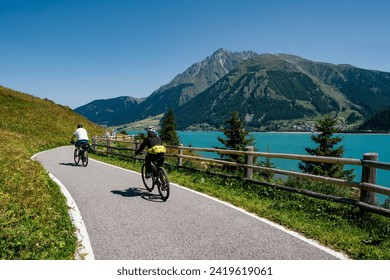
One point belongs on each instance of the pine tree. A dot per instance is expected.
(386, 204)
(237, 138)
(266, 174)
(168, 132)
(327, 146)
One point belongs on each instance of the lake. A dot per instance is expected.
(294, 143)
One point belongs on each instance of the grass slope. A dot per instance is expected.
(34, 218)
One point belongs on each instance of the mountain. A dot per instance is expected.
(271, 92)
(282, 92)
(202, 75)
(366, 89)
(380, 122)
(180, 90)
(110, 111)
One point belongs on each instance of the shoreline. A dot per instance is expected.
(292, 132)
(275, 132)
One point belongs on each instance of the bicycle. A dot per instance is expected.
(159, 178)
(81, 153)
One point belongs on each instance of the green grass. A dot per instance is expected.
(334, 225)
(34, 218)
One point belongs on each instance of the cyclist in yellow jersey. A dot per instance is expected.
(156, 150)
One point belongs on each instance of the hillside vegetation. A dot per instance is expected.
(34, 218)
(380, 122)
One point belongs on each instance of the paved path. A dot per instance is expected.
(124, 221)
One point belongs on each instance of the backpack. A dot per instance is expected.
(158, 149)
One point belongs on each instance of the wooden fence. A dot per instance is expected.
(367, 186)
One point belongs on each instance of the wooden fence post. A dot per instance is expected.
(368, 176)
(180, 160)
(249, 161)
(94, 143)
(136, 145)
(108, 145)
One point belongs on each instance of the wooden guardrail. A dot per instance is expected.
(367, 186)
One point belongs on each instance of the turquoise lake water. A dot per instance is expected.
(294, 143)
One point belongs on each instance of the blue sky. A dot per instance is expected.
(76, 51)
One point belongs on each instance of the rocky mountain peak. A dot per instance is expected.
(204, 73)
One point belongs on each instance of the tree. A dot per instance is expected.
(237, 138)
(167, 131)
(386, 204)
(327, 146)
(140, 137)
(267, 174)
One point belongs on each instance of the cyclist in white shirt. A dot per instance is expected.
(81, 135)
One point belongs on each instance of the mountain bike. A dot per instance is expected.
(159, 178)
(81, 153)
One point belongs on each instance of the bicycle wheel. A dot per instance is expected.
(76, 156)
(163, 183)
(148, 182)
(84, 158)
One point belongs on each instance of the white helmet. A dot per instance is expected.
(151, 128)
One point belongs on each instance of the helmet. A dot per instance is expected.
(79, 125)
(150, 129)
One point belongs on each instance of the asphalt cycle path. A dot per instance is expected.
(126, 222)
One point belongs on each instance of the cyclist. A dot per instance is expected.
(81, 135)
(156, 150)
